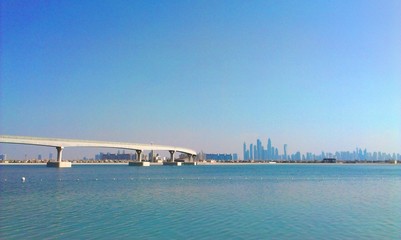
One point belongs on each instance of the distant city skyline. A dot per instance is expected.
(270, 152)
(250, 152)
(206, 75)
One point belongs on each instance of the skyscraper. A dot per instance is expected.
(258, 156)
(285, 151)
(269, 149)
(251, 151)
(244, 149)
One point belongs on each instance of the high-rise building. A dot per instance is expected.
(285, 151)
(269, 149)
(219, 156)
(251, 151)
(244, 150)
(235, 157)
(262, 152)
(258, 155)
(151, 156)
(113, 156)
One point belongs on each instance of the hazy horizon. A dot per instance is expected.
(206, 75)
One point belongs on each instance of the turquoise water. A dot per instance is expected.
(201, 202)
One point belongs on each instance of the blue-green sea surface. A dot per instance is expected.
(201, 202)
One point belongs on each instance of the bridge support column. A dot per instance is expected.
(190, 160)
(59, 153)
(138, 161)
(59, 163)
(139, 155)
(172, 162)
(172, 155)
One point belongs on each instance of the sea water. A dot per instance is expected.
(201, 202)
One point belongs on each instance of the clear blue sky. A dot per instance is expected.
(208, 75)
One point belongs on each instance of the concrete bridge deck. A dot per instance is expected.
(60, 144)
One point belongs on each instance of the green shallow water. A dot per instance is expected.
(201, 202)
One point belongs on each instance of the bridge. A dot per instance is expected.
(60, 144)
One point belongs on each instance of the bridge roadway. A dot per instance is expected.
(60, 144)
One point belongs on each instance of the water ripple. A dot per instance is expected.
(280, 202)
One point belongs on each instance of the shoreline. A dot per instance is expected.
(216, 163)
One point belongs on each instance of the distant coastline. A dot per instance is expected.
(212, 163)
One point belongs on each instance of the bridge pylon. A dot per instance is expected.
(59, 163)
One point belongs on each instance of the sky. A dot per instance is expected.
(318, 75)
